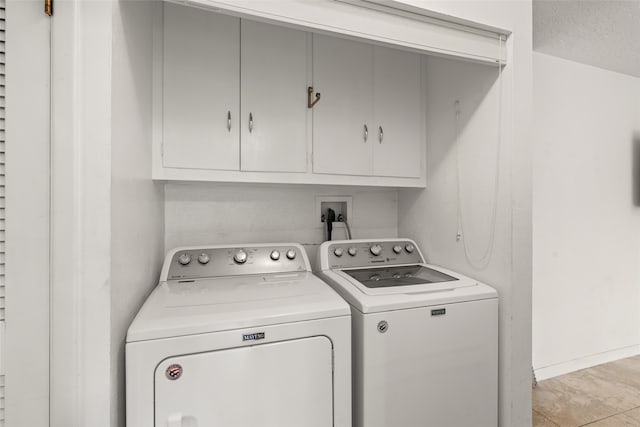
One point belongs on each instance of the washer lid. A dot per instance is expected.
(178, 308)
(404, 275)
(371, 290)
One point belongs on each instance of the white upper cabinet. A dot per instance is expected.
(370, 118)
(274, 112)
(399, 118)
(230, 105)
(343, 118)
(201, 80)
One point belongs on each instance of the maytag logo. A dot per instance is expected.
(439, 312)
(253, 337)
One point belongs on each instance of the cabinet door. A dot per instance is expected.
(201, 89)
(274, 84)
(398, 114)
(342, 73)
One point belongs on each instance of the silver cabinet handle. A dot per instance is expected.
(229, 121)
(366, 133)
(250, 122)
(380, 134)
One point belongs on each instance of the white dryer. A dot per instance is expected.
(239, 336)
(425, 339)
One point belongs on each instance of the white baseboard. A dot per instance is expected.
(562, 368)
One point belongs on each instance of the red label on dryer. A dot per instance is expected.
(173, 372)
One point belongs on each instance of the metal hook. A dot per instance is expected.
(311, 104)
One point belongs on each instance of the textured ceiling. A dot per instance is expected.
(603, 33)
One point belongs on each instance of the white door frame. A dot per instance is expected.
(27, 193)
(81, 45)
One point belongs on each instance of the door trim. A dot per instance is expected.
(81, 46)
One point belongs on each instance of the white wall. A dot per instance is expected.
(430, 216)
(586, 291)
(137, 208)
(201, 214)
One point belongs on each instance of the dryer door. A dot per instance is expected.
(280, 384)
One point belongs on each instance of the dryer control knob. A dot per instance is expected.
(338, 252)
(275, 255)
(240, 257)
(184, 259)
(352, 251)
(204, 258)
(409, 248)
(291, 254)
(376, 250)
(397, 249)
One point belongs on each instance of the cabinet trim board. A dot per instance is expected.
(401, 8)
(204, 175)
(373, 24)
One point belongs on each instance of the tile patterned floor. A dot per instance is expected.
(602, 396)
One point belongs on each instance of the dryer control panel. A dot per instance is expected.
(365, 253)
(206, 262)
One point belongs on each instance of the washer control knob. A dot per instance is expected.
(275, 255)
(397, 249)
(184, 259)
(376, 250)
(240, 257)
(409, 248)
(338, 252)
(352, 251)
(203, 258)
(291, 254)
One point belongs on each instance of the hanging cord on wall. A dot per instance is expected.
(479, 263)
(346, 225)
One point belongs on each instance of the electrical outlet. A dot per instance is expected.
(340, 204)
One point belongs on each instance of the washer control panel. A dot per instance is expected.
(349, 254)
(201, 263)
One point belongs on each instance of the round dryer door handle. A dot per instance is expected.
(174, 420)
(179, 420)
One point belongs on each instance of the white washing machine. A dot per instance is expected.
(425, 339)
(239, 336)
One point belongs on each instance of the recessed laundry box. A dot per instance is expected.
(239, 336)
